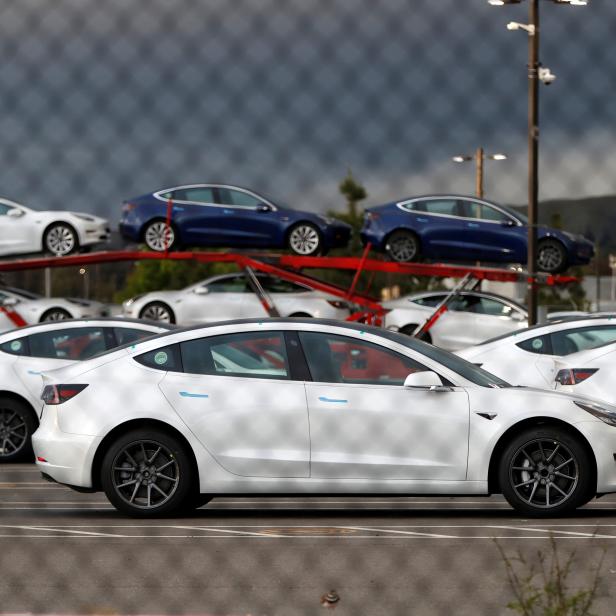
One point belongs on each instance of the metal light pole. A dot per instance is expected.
(535, 73)
(479, 158)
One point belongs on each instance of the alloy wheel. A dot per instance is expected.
(13, 432)
(402, 247)
(145, 474)
(544, 473)
(159, 236)
(156, 312)
(56, 314)
(304, 240)
(60, 240)
(549, 258)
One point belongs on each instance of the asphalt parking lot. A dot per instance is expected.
(64, 552)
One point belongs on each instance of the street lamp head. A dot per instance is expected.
(501, 2)
(461, 159)
(499, 156)
(513, 25)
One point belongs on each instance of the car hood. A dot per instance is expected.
(90, 218)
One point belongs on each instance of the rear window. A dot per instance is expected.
(165, 358)
(16, 347)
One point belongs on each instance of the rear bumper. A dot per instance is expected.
(130, 231)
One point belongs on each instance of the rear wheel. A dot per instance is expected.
(551, 256)
(157, 311)
(17, 423)
(159, 236)
(402, 246)
(546, 471)
(55, 314)
(147, 472)
(305, 239)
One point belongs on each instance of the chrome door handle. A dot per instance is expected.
(422, 220)
(472, 225)
(325, 399)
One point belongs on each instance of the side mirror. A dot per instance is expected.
(426, 379)
(15, 213)
(10, 301)
(201, 291)
(507, 223)
(263, 207)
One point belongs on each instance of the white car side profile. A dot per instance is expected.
(590, 373)
(311, 406)
(23, 230)
(229, 296)
(471, 317)
(33, 308)
(528, 357)
(26, 352)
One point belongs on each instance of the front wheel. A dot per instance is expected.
(60, 240)
(402, 246)
(551, 256)
(546, 471)
(157, 311)
(305, 240)
(55, 314)
(147, 472)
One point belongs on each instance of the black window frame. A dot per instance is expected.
(25, 345)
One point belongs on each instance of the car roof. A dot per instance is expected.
(119, 321)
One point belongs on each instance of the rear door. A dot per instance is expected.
(198, 216)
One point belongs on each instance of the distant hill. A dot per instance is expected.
(593, 217)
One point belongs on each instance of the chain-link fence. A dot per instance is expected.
(103, 101)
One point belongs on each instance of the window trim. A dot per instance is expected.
(215, 187)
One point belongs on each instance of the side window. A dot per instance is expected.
(16, 347)
(433, 301)
(4, 209)
(238, 198)
(233, 284)
(125, 335)
(76, 344)
(340, 359)
(251, 354)
(166, 358)
(492, 307)
(277, 285)
(472, 209)
(201, 194)
(572, 341)
(448, 207)
(539, 345)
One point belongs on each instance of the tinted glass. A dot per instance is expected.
(540, 345)
(4, 209)
(472, 209)
(165, 358)
(435, 206)
(235, 284)
(76, 344)
(238, 198)
(574, 340)
(277, 285)
(258, 355)
(200, 195)
(432, 301)
(340, 359)
(16, 347)
(126, 335)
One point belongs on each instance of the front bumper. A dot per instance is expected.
(66, 458)
(94, 234)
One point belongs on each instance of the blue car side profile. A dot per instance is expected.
(459, 228)
(218, 215)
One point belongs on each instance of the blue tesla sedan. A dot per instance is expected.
(458, 228)
(229, 216)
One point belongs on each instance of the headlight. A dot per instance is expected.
(571, 236)
(132, 300)
(607, 416)
(326, 220)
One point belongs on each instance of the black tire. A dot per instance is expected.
(55, 314)
(156, 311)
(17, 424)
(303, 315)
(535, 461)
(408, 330)
(60, 239)
(551, 256)
(402, 246)
(159, 237)
(169, 468)
(305, 239)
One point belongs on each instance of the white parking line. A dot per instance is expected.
(225, 530)
(554, 530)
(63, 530)
(401, 532)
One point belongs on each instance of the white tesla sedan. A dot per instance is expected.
(229, 296)
(528, 357)
(25, 352)
(589, 373)
(283, 406)
(472, 317)
(23, 230)
(33, 308)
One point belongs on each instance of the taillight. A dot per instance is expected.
(573, 376)
(127, 207)
(57, 394)
(336, 303)
(372, 216)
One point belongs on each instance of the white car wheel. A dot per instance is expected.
(60, 240)
(55, 314)
(157, 311)
(159, 236)
(305, 240)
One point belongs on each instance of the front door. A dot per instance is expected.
(236, 395)
(365, 424)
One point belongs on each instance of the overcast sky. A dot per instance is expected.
(102, 101)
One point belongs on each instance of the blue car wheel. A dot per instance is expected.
(304, 239)
(159, 236)
(402, 246)
(551, 256)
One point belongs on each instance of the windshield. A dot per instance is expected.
(460, 366)
(22, 293)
